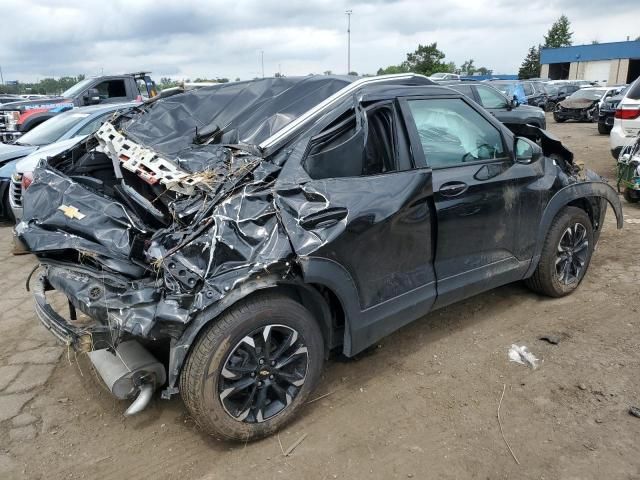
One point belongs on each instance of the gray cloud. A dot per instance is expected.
(213, 38)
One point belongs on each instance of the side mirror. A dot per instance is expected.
(526, 151)
(92, 97)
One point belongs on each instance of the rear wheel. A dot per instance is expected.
(252, 369)
(603, 129)
(565, 255)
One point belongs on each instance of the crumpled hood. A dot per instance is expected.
(580, 103)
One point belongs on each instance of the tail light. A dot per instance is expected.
(627, 113)
(27, 179)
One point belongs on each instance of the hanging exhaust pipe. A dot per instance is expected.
(141, 401)
(129, 372)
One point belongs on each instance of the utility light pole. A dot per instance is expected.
(262, 61)
(348, 13)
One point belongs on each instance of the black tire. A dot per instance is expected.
(547, 279)
(550, 106)
(558, 119)
(203, 384)
(603, 129)
(631, 196)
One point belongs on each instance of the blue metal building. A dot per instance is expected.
(606, 63)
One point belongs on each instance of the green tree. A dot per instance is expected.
(559, 35)
(427, 60)
(468, 68)
(530, 67)
(402, 68)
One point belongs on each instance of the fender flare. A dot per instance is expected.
(35, 120)
(565, 196)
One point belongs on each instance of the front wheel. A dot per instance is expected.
(566, 254)
(559, 119)
(253, 368)
(550, 106)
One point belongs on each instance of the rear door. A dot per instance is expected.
(487, 213)
(361, 221)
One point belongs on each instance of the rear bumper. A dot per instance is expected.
(81, 337)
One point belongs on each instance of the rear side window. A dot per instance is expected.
(528, 89)
(634, 90)
(465, 90)
(452, 133)
(93, 125)
(345, 149)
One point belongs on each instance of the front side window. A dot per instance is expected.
(490, 98)
(111, 89)
(452, 133)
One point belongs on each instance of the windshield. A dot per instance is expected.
(52, 130)
(77, 88)
(587, 94)
(439, 75)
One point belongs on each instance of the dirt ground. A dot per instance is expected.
(422, 405)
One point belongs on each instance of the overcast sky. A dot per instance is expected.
(205, 38)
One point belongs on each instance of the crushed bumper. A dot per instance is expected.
(81, 338)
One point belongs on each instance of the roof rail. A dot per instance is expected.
(284, 133)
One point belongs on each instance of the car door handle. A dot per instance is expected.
(323, 219)
(453, 189)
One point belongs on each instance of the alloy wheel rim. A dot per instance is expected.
(263, 374)
(572, 254)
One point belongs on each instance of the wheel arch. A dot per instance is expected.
(35, 120)
(321, 301)
(591, 197)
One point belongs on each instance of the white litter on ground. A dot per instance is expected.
(522, 355)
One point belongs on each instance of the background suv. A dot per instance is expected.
(626, 125)
(504, 109)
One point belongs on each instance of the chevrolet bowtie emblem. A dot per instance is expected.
(71, 212)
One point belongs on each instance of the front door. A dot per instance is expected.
(364, 216)
(486, 213)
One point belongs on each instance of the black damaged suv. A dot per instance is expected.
(253, 227)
